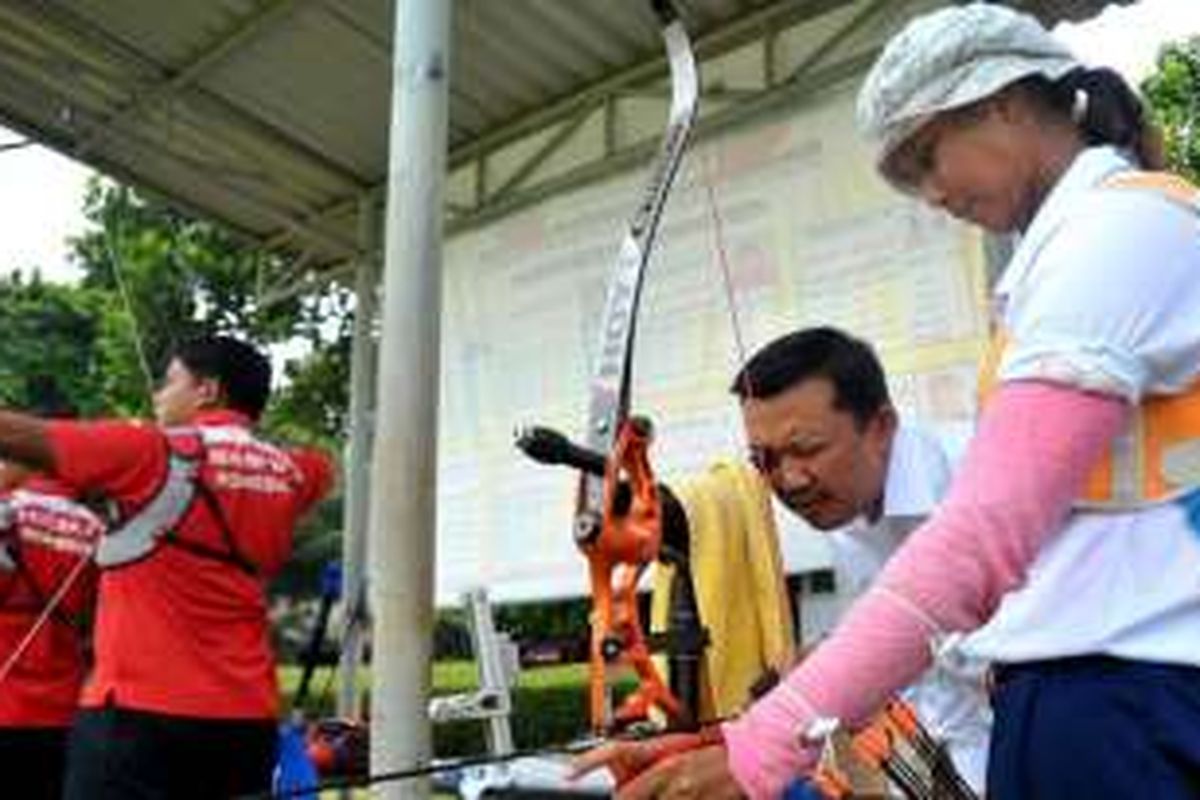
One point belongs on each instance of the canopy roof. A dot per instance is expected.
(272, 115)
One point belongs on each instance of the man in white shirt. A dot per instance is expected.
(823, 432)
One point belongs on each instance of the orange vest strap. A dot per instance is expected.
(1160, 455)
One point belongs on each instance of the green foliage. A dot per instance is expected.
(318, 541)
(1173, 92)
(554, 630)
(312, 408)
(549, 705)
(549, 708)
(153, 277)
(451, 634)
(557, 625)
(165, 277)
(50, 335)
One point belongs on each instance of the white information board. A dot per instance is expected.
(812, 237)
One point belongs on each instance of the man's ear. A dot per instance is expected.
(211, 393)
(885, 422)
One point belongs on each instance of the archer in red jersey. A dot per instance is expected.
(47, 593)
(182, 701)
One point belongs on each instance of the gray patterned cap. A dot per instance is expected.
(948, 59)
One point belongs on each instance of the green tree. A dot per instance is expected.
(160, 276)
(49, 344)
(312, 406)
(1173, 91)
(165, 276)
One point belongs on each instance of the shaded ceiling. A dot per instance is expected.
(271, 115)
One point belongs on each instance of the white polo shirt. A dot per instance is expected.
(1103, 293)
(950, 700)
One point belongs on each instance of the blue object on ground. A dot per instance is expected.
(294, 771)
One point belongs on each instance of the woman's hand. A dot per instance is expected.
(679, 765)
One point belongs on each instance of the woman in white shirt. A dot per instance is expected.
(1070, 539)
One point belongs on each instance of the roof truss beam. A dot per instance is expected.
(95, 49)
(639, 82)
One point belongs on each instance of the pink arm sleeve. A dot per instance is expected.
(1027, 463)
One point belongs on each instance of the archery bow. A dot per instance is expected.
(620, 542)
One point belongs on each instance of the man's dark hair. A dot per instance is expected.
(848, 363)
(243, 373)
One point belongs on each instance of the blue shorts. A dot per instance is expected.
(1095, 728)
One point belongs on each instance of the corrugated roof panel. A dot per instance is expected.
(554, 20)
(549, 47)
(490, 67)
(334, 100)
(169, 33)
(482, 52)
(627, 26)
(491, 82)
(371, 19)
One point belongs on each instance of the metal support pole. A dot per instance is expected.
(404, 463)
(358, 459)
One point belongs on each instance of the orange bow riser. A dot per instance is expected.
(629, 540)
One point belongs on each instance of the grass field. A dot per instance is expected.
(449, 677)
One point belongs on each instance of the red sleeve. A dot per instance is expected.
(317, 469)
(124, 460)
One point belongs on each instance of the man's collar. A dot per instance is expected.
(47, 485)
(918, 473)
(220, 417)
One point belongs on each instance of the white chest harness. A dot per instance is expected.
(138, 536)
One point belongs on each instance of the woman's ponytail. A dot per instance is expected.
(1107, 111)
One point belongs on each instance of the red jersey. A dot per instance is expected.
(46, 539)
(178, 631)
